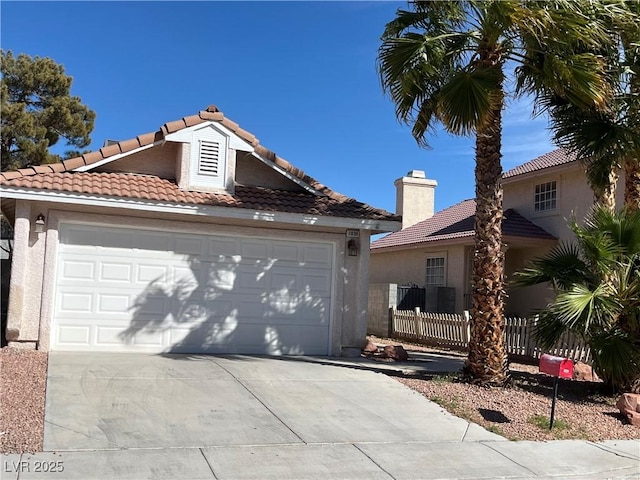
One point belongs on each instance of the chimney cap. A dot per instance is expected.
(416, 174)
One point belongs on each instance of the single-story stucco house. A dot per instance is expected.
(194, 238)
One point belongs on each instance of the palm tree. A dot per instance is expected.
(445, 62)
(608, 140)
(597, 286)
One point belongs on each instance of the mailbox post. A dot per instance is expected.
(560, 368)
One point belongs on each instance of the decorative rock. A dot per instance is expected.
(369, 348)
(396, 352)
(584, 372)
(629, 406)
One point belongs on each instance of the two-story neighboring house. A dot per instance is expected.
(436, 249)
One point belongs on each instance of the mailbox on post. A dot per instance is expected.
(556, 366)
(560, 368)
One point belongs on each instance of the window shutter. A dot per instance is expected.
(209, 158)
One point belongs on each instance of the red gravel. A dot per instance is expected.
(23, 381)
(585, 410)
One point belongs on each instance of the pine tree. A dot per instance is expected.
(38, 110)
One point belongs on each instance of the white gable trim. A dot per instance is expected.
(200, 210)
(185, 135)
(113, 158)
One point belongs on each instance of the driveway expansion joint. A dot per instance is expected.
(374, 462)
(613, 451)
(488, 444)
(208, 464)
(259, 400)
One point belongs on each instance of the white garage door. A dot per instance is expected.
(135, 290)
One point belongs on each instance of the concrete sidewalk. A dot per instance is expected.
(122, 416)
(558, 460)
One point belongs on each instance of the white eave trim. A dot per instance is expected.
(375, 226)
(115, 157)
(184, 135)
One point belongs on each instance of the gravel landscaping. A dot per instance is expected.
(23, 382)
(584, 410)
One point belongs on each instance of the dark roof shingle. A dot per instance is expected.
(551, 159)
(458, 221)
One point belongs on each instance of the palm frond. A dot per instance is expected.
(562, 267)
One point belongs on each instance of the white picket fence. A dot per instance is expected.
(452, 331)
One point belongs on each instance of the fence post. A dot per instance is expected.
(416, 319)
(530, 345)
(467, 319)
(391, 323)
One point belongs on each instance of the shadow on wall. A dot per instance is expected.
(232, 306)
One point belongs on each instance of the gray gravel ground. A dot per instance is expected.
(23, 382)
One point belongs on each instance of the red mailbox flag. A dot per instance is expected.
(556, 366)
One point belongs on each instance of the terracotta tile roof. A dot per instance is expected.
(165, 190)
(551, 159)
(145, 187)
(457, 221)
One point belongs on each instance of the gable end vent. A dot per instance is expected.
(209, 158)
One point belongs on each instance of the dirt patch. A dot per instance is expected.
(23, 381)
(584, 410)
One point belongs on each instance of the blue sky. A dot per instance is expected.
(301, 76)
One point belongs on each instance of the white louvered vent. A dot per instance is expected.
(209, 159)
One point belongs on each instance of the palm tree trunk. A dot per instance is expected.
(632, 184)
(606, 194)
(487, 360)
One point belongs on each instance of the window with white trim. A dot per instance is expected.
(435, 270)
(545, 197)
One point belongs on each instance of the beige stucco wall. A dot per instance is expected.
(33, 273)
(159, 160)
(409, 267)
(524, 301)
(252, 172)
(574, 197)
(415, 199)
(25, 289)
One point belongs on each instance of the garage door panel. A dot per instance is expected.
(222, 247)
(113, 303)
(115, 272)
(76, 302)
(254, 250)
(77, 270)
(146, 273)
(320, 283)
(189, 245)
(78, 335)
(154, 242)
(109, 335)
(204, 294)
(320, 254)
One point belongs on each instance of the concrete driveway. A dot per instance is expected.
(121, 416)
(107, 401)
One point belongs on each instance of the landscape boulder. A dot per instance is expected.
(629, 406)
(370, 348)
(584, 372)
(396, 352)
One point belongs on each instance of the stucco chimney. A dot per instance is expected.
(415, 196)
